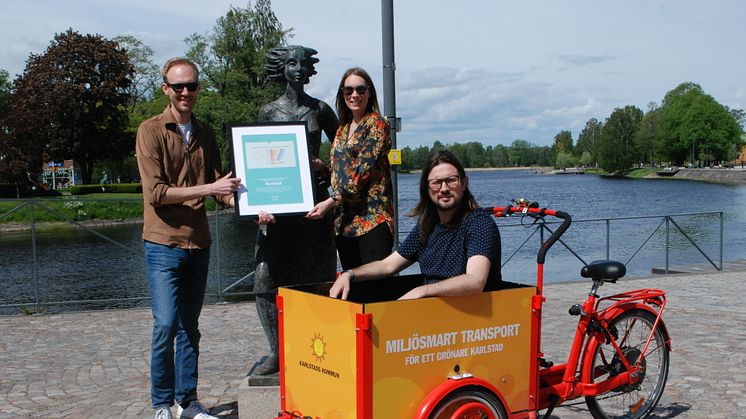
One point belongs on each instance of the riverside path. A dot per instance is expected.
(96, 364)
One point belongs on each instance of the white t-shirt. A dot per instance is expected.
(186, 132)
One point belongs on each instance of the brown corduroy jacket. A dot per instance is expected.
(164, 162)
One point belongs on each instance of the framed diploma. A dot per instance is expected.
(272, 160)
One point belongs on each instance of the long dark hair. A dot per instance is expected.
(425, 210)
(344, 113)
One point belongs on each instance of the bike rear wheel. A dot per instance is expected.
(633, 401)
(467, 403)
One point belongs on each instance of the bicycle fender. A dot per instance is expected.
(445, 388)
(614, 311)
(607, 316)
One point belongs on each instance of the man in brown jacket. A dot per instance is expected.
(180, 166)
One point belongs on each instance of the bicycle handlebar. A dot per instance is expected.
(533, 210)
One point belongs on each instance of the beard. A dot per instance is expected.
(446, 206)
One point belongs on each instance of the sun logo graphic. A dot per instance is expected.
(318, 346)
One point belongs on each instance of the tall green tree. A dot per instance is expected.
(650, 148)
(563, 142)
(499, 156)
(617, 152)
(589, 140)
(695, 127)
(146, 78)
(70, 101)
(563, 150)
(231, 58)
(5, 88)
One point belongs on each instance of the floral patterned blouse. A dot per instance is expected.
(361, 177)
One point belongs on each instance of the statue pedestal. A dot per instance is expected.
(256, 380)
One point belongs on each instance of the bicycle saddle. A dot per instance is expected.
(607, 270)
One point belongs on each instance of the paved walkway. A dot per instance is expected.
(96, 364)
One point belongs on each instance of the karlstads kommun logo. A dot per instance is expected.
(318, 347)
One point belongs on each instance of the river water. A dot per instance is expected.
(78, 265)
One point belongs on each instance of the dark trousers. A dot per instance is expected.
(371, 246)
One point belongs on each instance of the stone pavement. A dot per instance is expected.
(96, 364)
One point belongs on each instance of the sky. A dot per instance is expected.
(492, 71)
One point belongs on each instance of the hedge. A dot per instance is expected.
(110, 188)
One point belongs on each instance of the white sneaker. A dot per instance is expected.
(163, 413)
(194, 411)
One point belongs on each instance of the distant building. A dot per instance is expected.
(59, 175)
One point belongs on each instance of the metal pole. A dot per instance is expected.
(34, 255)
(608, 234)
(668, 235)
(721, 241)
(389, 96)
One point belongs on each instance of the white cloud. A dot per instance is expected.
(485, 70)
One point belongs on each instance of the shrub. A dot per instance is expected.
(110, 188)
(8, 190)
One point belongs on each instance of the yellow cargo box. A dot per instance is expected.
(375, 357)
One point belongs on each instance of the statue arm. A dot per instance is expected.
(328, 121)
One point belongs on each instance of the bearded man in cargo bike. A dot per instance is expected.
(457, 245)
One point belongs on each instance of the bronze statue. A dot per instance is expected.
(294, 250)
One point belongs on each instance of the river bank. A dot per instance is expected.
(735, 176)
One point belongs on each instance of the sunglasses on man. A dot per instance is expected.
(178, 87)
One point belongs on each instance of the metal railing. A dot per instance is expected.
(666, 225)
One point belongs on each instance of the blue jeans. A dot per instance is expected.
(177, 286)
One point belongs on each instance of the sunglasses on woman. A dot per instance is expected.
(347, 90)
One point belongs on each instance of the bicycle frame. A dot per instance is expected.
(575, 378)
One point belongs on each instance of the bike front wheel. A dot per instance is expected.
(467, 403)
(631, 329)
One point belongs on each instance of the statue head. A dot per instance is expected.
(278, 57)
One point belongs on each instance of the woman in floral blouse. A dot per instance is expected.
(361, 175)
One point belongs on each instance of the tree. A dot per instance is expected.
(589, 139)
(231, 59)
(695, 127)
(69, 103)
(617, 152)
(12, 158)
(563, 142)
(647, 140)
(146, 77)
(5, 88)
(563, 149)
(499, 156)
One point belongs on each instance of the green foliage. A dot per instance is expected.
(589, 140)
(563, 142)
(694, 127)
(5, 88)
(69, 104)
(565, 160)
(648, 141)
(146, 74)
(617, 152)
(474, 155)
(13, 190)
(110, 188)
(231, 59)
(73, 208)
